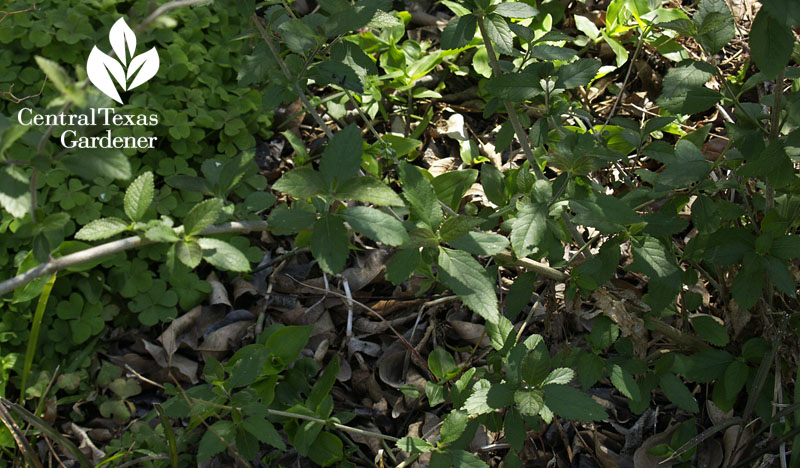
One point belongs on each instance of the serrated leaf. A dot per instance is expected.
(578, 73)
(469, 280)
(201, 216)
(459, 32)
(91, 164)
(677, 393)
(570, 403)
(529, 402)
(653, 259)
(715, 27)
(102, 228)
(551, 52)
(421, 196)
(211, 444)
(457, 226)
(516, 10)
(440, 362)
(402, 265)
(223, 255)
(414, 445)
(684, 91)
(771, 43)
(189, 253)
(450, 187)
(55, 73)
(303, 182)
(518, 86)
(561, 376)
(329, 243)
(487, 397)
(528, 229)
(161, 233)
(625, 383)
(464, 459)
(376, 225)
(514, 428)
(342, 157)
(480, 243)
(499, 33)
(15, 195)
(139, 196)
(453, 426)
(368, 190)
(606, 213)
(710, 330)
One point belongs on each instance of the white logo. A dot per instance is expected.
(101, 67)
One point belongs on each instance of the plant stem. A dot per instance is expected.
(353, 430)
(774, 133)
(520, 132)
(110, 248)
(301, 95)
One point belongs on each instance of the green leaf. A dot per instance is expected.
(561, 376)
(514, 428)
(55, 73)
(516, 10)
(529, 402)
(551, 52)
(329, 243)
(189, 183)
(453, 426)
(705, 216)
(459, 32)
(687, 167)
(606, 213)
(710, 330)
(211, 444)
(283, 218)
(604, 333)
(469, 280)
(434, 393)
(342, 157)
(677, 393)
(414, 445)
(529, 228)
(487, 397)
(440, 362)
(327, 449)
(451, 186)
(189, 253)
(780, 276)
(464, 459)
(402, 265)
(625, 383)
(493, 186)
(786, 247)
(788, 11)
(376, 225)
(518, 87)
(684, 91)
(578, 73)
(161, 233)
(139, 196)
(303, 182)
(420, 195)
(749, 282)
(771, 43)
(653, 259)
(519, 295)
(480, 243)
(202, 216)
(98, 162)
(570, 403)
(15, 195)
(368, 190)
(298, 36)
(246, 364)
(457, 226)
(223, 255)
(715, 27)
(287, 342)
(500, 34)
(591, 368)
(102, 228)
(735, 377)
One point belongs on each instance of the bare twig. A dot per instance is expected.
(110, 248)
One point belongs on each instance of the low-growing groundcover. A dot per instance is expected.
(468, 233)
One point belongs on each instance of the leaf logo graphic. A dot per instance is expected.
(102, 67)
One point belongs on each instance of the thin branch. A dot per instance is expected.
(110, 248)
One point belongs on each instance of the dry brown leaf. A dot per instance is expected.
(218, 294)
(220, 342)
(630, 324)
(470, 332)
(642, 459)
(189, 328)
